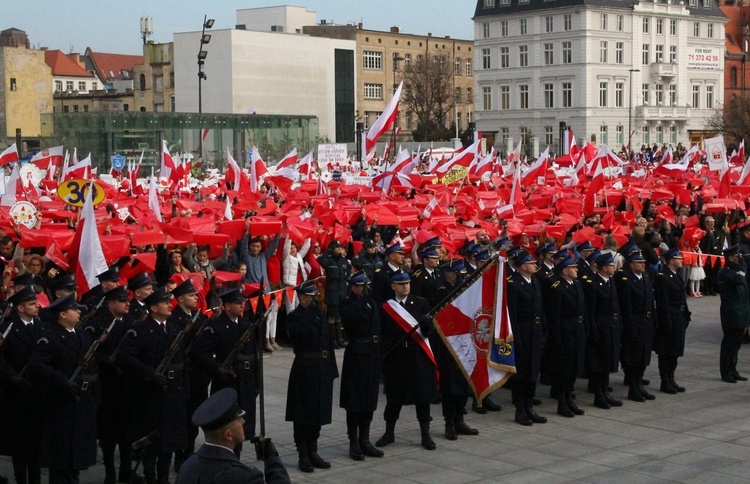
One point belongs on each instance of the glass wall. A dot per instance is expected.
(200, 137)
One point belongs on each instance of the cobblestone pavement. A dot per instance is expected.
(702, 435)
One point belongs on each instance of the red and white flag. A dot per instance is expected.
(515, 155)
(538, 171)
(257, 170)
(86, 254)
(471, 326)
(12, 183)
(407, 323)
(464, 158)
(153, 197)
(48, 157)
(384, 121)
(744, 179)
(80, 170)
(167, 162)
(10, 155)
(304, 166)
(289, 160)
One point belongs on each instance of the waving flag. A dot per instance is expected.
(48, 157)
(476, 330)
(82, 169)
(289, 160)
(10, 155)
(384, 121)
(538, 171)
(86, 254)
(257, 170)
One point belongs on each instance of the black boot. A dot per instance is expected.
(533, 416)
(462, 428)
(355, 452)
(490, 405)
(110, 473)
(304, 463)
(364, 442)
(671, 377)
(606, 389)
(388, 437)
(737, 375)
(572, 404)
(340, 335)
(450, 430)
(666, 383)
(634, 393)
(522, 418)
(480, 410)
(562, 406)
(317, 461)
(427, 441)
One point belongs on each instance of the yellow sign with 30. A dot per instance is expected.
(74, 192)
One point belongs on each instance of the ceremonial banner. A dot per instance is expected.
(716, 152)
(475, 328)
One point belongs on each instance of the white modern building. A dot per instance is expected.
(267, 72)
(602, 67)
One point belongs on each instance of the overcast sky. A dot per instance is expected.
(114, 27)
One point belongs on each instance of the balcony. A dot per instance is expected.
(663, 70)
(662, 113)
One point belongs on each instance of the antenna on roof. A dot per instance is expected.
(147, 28)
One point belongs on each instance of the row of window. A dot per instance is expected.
(506, 3)
(375, 91)
(407, 121)
(659, 134)
(604, 24)
(71, 86)
(562, 97)
(373, 60)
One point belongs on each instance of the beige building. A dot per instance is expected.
(25, 94)
(377, 69)
(154, 79)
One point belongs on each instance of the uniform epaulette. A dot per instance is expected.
(417, 272)
(556, 283)
(624, 278)
(510, 278)
(660, 274)
(378, 269)
(588, 280)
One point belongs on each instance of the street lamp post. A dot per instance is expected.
(630, 110)
(202, 54)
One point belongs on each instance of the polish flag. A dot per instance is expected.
(515, 155)
(725, 182)
(86, 254)
(204, 134)
(676, 170)
(744, 179)
(668, 156)
(384, 121)
(228, 215)
(11, 188)
(304, 166)
(48, 157)
(537, 171)
(429, 208)
(515, 195)
(10, 155)
(464, 158)
(485, 164)
(257, 170)
(80, 170)
(134, 171)
(167, 162)
(289, 160)
(233, 173)
(153, 197)
(597, 183)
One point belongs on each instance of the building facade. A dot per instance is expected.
(154, 79)
(736, 72)
(604, 68)
(382, 58)
(25, 94)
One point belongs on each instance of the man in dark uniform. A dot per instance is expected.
(545, 254)
(161, 393)
(409, 371)
(309, 399)
(636, 297)
(368, 260)
(546, 275)
(69, 426)
(673, 317)
(62, 286)
(221, 419)
(142, 287)
(113, 425)
(108, 280)
(605, 330)
(584, 266)
(427, 277)
(735, 313)
(527, 319)
(219, 338)
(182, 316)
(381, 284)
(566, 327)
(360, 371)
(713, 242)
(453, 385)
(22, 408)
(337, 270)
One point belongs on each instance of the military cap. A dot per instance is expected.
(64, 282)
(160, 294)
(501, 242)
(567, 262)
(427, 252)
(562, 255)
(546, 249)
(395, 248)
(334, 244)
(400, 277)
(231, 296)
(139, 281)
(110, 274)
(635, 256)
(453, 265)
(733, 250)
(467, 248)
(482, 254)
(359, 277)
(513, 252)
(591, 258)
(369, 244)
(433, 242)
(627, 248)
(672, 254)
(605, 259)
(307, 288)
(523, 257)
(585, 246)
(26, 279)
(185, 288)
(64, 303)
(24, 295)
(120, 293)
(218, 410)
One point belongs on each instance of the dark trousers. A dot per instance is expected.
(393, 410)
(63, 476)
(633, 373)
(454, 407)
(306, 432)
(523, 393)
(26, 468)
(358, 418)
(730, 347)
(563, 384)
(156, 466)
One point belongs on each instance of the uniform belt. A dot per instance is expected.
(87, 381)
(174, 371)
(242, 357)
(531, 319)
(314, 354)
(682, 307)
(580, 319)
(372, 339)
(648, 314)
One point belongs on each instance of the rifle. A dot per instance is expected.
(82, 322)
(174, 348)
(5, 334)
(5, 315)
(86, 360)
(244, 338)
(199, 331)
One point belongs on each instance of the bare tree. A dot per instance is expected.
(731, 120)
(429, 94)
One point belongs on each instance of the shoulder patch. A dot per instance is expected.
(556, 283)
(624, 278)
(588, 280)
(417, 272)
(42, 340)
(378, 269)
(510, 279)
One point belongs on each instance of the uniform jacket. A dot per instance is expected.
(527, 319)
(735, 301)
(360, 371)
(337, 270)
(636, 298)
(672, 313)
(567, 327)
(426, 285)
(214, 464)
(605, 328)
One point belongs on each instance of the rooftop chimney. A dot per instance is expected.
(394, 30)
